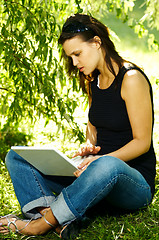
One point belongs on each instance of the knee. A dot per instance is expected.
(108, 165)
(107, 161)
(9, 159)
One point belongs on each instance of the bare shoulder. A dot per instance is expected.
(133, 77)
(134, 82)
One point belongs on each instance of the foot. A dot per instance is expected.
(13, 223)
(62, 231)
(43, 211)
(34, 227)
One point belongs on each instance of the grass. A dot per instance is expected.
(141, 225)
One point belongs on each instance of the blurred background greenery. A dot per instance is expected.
(37, 99)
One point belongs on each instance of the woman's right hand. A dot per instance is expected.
(87, 149)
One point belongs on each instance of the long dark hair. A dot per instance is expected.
(87, 27)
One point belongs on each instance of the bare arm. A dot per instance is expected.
(91, 134)
(136, 94)
(91, 139)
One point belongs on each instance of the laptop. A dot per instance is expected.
(49, 161)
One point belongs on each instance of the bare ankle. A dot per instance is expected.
(43, 210)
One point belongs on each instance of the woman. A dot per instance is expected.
(120, 163)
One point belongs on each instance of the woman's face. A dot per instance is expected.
(85, 55)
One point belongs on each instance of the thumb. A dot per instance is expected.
(97, 149)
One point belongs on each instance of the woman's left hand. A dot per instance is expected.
(83, 166)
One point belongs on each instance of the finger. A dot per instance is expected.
(79, 152)
(84, 150)
(75, 154)
(84, 163)
(4, 230)
(90, 148)
(2, 227)
(94, 150)
(97, 149)
(78, 173)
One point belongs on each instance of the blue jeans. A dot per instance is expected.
(106, 178)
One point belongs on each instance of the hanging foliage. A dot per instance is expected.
(33, 82)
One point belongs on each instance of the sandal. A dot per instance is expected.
(9, 216)
(54, 228)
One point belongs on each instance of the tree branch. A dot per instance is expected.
(26, 9)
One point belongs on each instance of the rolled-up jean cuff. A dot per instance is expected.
(29, 210)
(61, 211)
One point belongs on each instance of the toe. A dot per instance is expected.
(4, 223)
(4, 229)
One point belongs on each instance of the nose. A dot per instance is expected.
(75, 61)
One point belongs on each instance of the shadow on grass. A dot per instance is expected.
(106, 222)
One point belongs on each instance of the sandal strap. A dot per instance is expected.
(9, 216)
(48, 222)
(28, 221)
(12, 222)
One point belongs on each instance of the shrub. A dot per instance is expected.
(11, 137)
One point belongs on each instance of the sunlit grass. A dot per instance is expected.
(142, 225)
(9, 203)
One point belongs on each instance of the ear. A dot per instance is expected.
(97, 41)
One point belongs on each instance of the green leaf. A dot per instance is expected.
(2, 44)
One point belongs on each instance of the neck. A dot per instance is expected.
(106, 77)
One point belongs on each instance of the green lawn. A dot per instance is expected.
(139, 226)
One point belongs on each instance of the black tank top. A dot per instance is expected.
(109, 115)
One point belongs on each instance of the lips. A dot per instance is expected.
(81, 69)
